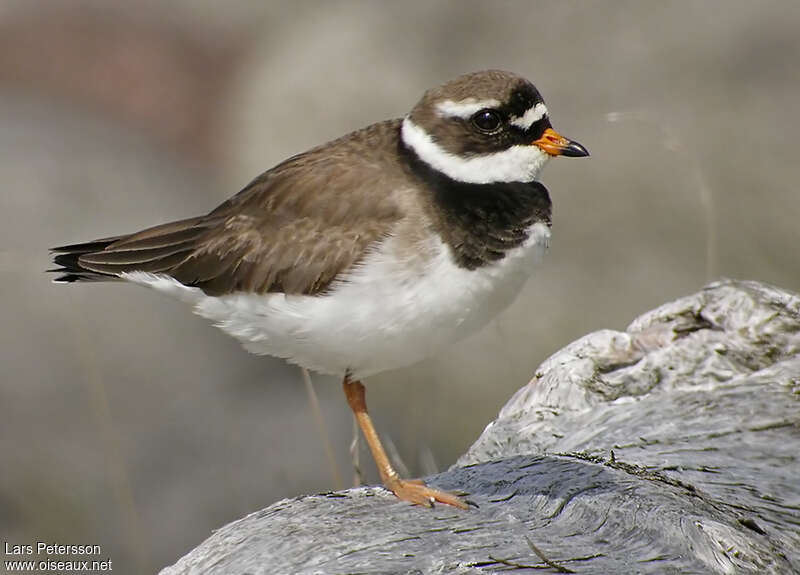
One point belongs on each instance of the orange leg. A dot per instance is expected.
(413, 491)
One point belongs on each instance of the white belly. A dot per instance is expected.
(383, 316)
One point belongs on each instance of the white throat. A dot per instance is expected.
(516, 164)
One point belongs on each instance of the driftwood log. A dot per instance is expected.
(672, 447)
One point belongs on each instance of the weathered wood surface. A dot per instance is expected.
(699, 401)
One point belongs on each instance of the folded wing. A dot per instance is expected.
(294, 229)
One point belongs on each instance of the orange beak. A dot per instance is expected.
(555, 144)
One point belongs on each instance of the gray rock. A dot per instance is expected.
(671, 447)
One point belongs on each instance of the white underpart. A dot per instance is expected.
(463, 108)
(530, 117)
(515, 164)
(386, 314)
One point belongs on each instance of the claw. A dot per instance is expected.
(417, 493)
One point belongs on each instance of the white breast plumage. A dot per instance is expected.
(382, 315)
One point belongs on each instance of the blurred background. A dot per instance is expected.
(130, 423)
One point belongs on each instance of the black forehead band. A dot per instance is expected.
(523, 98)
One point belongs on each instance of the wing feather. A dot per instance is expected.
(293, 229)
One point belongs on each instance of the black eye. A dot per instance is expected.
(486, 121)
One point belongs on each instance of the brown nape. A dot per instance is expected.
(413, 490)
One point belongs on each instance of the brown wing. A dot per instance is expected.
(292, 230)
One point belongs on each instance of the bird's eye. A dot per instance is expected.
(486, 121)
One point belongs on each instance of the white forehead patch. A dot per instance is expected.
(515, 164)
(530, 117)
(463, 108)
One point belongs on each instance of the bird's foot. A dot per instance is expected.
(416, 492)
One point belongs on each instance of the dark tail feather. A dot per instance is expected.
(155, 250)
(71, 269)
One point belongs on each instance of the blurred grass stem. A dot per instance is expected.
(322, 429)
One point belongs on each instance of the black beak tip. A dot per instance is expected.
(575, 150)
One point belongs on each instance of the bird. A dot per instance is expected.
(367, 253)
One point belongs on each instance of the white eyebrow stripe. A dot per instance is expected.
(463, 108)
(530, 117)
